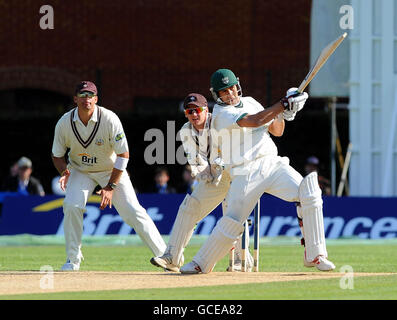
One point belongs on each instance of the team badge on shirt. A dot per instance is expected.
(119, 136)
(99, 142)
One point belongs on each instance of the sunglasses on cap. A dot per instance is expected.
(197, 110)
(86, 94)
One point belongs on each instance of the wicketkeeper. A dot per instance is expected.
(213, 185)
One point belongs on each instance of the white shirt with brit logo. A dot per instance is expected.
(93, 148)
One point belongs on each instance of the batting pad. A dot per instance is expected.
(218, 243)
(182, 230)
(300, 219)
(312, 215)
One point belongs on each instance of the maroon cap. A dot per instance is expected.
(196, 99)
(86, 86)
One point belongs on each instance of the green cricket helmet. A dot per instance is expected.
(222, 79)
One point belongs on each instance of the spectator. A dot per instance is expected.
(13, 173)
(24, 182)
(313, 164)
(189, 182)
(161, 178)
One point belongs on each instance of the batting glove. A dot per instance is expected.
(294, 101)
(205, 175)
(216, 170)
(288, 115)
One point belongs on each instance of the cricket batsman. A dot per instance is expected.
(251, 157)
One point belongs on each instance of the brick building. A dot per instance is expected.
(145, 56)
(154, 48)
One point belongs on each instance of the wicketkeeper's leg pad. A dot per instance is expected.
(218, 244)
(189, 214)
(300, 222)
(311, 210)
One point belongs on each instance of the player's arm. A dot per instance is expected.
(292, 102)
(62, 167)
(59, 147)
(262, 117)
(276, 128)
(59, 164)
(119, 166)
(118, 141)
(107, 192)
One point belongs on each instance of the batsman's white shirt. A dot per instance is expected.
(93, 148)
(239, 145)
(255, 166)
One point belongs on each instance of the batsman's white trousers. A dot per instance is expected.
(80, 187)
(269, 174)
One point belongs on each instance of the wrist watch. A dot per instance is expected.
(111, 185)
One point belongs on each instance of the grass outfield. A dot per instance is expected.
(370, 257)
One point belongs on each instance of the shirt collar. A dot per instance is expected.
(94, 116)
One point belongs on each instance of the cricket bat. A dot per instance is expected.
(322, 58)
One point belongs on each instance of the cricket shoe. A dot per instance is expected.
(69, 266)
(191, 268)
(321, 263)
(165, 262)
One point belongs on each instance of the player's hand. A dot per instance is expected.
(106, 195)
(216, 171)
(202, 172)
(295, 100)
(288, 115)
(205, 176)
(63, 180)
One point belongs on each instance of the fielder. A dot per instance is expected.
(98, 155)
(245, 145)
(210, 191)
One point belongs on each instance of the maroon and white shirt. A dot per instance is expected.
(93, 148)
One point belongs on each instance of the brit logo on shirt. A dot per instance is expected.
(87, 159)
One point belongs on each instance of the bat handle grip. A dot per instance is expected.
(301, 87)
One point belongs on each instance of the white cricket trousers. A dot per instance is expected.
(270, 174)
(80, 187)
